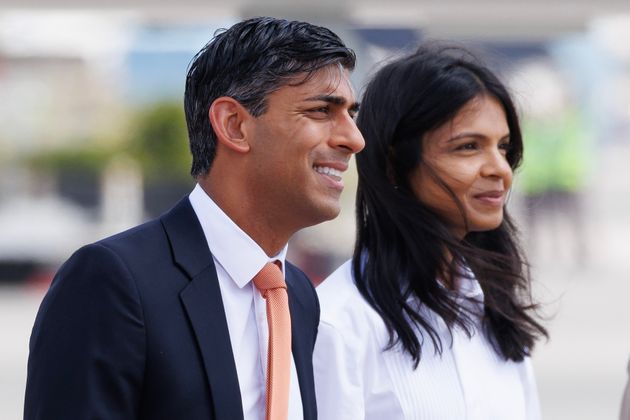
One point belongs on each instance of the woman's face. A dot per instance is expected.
(467, 155)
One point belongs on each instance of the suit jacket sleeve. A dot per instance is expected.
(87, 347)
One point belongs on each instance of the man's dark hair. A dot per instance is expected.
(247, 62)
(403, 247)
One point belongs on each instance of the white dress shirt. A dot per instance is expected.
(356, 379)
(238, 259)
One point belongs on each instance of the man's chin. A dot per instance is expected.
(325, 213)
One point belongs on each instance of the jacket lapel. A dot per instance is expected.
(301, 347)
(204, 307)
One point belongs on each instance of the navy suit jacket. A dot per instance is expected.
(133, 327)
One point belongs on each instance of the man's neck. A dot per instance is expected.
(240, 208)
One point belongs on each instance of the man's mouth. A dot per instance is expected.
(331, 172)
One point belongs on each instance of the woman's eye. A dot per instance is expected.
(505, 147)
(467, 146)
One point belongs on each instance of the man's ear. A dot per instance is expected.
(227, 116)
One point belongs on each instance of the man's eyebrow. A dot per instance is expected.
(335, 100)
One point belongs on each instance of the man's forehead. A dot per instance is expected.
(326, 82)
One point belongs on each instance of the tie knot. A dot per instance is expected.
(269, 277)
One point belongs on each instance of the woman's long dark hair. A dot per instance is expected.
(403, 246)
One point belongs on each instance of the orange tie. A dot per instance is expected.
(271, 284)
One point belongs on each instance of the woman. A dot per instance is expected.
(431, 319)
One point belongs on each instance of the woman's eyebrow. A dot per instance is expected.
(473, 134)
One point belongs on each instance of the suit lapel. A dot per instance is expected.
(301, 346)
(204, 307)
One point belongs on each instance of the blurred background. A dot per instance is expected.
(93, 140)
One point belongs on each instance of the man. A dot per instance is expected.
(163, 321)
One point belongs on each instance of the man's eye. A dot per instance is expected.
(321, 110)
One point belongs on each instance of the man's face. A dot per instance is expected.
(301, 146)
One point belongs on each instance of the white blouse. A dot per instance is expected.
(356, 379)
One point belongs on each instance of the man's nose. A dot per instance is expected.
(347, 135)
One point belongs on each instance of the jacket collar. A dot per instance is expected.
(203, 304)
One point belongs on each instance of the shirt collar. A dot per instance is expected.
(240, 256)
(468, 286)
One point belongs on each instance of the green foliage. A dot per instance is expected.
(159, 141)
(89, 160)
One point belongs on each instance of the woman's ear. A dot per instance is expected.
(227, 116)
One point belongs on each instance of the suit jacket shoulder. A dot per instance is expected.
(133, 327)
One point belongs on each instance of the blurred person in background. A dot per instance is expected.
(555, 168)
(432, 316)
(163, 321)
(625, 402)
(552, 182)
